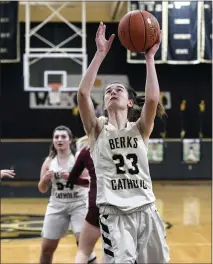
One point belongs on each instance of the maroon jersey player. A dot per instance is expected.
(90, 232)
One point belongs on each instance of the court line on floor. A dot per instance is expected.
(70, 245)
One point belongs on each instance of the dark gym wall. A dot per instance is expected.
(27, 157)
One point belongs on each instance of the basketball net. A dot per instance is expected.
(55, 93)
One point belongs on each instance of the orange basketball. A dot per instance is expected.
(138, 31)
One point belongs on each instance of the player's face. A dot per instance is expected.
(61, 140)
(116, 96)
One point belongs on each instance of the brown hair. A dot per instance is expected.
(135, 111)
(53, 151)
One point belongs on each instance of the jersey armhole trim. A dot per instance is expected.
(95, 141)
(146, 147)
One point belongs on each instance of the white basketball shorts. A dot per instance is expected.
(60, 217)
(138, 237)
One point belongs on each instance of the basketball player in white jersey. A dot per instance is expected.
(67, 206)
(7, 173)
(132, 230)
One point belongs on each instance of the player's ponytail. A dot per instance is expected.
(135, 112)
(160, 108)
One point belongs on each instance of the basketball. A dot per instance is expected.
(138, 31)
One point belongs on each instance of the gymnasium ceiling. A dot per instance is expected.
(110, 11)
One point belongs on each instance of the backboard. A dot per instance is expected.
(42, 69)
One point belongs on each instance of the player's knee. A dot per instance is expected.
(48, 247)
(47, 250)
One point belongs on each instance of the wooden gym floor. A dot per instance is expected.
(185, 207)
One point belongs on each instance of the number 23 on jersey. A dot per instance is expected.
(120, 162)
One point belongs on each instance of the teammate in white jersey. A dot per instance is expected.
(132, 231)
(67, 206)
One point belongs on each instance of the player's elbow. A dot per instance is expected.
(82, 94)
(152, 100)
(41, 188)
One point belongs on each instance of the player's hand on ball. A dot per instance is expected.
(152, 51)
(7, 173)
(102, 44)
(64, 175)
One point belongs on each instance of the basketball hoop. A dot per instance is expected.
(55, 93)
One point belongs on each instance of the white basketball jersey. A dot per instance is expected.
(122, 170)
(61, 190)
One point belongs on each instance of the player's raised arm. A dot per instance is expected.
(152, 93)
(85, 104)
